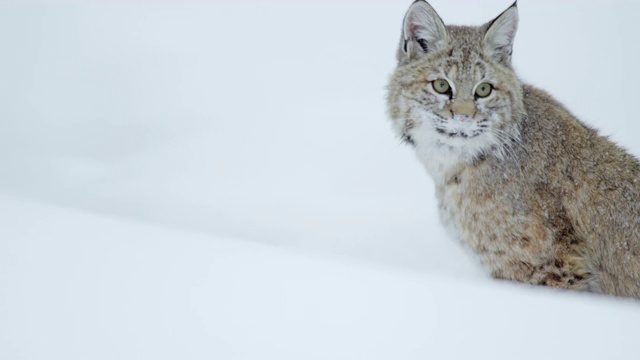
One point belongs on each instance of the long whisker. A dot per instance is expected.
(505, 143)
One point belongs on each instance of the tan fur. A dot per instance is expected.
(540, 197)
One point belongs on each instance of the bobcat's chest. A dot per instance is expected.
(478, 212)
(459, 209)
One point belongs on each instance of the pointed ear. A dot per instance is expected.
(422, 32)
(498, 40)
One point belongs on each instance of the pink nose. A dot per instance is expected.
(463, 107)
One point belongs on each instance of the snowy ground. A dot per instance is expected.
(223, 183)
(85, 286)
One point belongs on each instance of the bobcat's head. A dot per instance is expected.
(454, 90)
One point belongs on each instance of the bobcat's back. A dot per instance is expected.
(597, 184)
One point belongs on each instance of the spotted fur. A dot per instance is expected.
(539, 196)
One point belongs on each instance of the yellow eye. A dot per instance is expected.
(483, 90)
(441, 86)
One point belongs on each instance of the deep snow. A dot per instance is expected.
(83, 286)
(264, 122)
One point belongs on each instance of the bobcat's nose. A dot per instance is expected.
(463, 107)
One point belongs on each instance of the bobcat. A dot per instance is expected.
(538, 195)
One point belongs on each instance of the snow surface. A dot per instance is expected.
(84, 286)
(223, 183)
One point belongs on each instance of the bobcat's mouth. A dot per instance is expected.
(461, 129)
(459, 133)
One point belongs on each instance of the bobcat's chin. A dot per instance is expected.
(467, 146)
